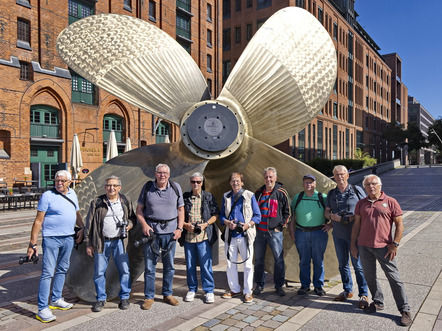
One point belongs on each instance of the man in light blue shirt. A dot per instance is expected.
(57, 215)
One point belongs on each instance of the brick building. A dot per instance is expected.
(358, 110)
(43, 103)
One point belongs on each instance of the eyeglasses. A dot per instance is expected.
(371, 184)
(62, 180)
(112, 185)
(162, 173)
(196, 181)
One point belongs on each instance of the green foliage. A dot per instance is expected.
(434, 131)
(366, 159)
(326, 166)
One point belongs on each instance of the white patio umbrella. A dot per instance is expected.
(76, 160)
(112, 149)
(128, 145)
(166, 139)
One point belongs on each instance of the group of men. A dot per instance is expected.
(362, 231)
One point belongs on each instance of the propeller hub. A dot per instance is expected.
(211, 130)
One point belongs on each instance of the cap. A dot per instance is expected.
(309, 176)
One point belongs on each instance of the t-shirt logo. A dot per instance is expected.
(384, 205)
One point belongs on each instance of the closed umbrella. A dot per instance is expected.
(76, 160)
(128, 145)
(112, 149)
(166, 139)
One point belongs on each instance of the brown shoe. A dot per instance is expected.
(343, 296)
(147, 303)
(248, 298)
(363, 302)
(406, 319)
(171, 300)
(230, 295)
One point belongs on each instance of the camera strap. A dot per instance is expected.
(54, 190)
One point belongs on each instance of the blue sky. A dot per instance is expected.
(413, 30)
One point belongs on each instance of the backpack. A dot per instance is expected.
(301, 195)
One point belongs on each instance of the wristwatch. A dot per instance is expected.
(396, 244)
(180, 229)
(31, 245)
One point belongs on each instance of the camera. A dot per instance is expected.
(239, 227)
(345, 217)
(123, 226)
(196, 228)
(145, 239)
(25, 259)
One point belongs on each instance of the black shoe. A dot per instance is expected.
(98, 306)
(373, 307)
(124, 304)
(280, 291)
(319, 291)
(406, 319)
(258, 290)
(303, 290)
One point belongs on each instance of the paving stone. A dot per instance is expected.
(249, 328)
(280, 318)
(248, 311)
(219, 327)
(250, 319)
(233, 328)
(271, 324)
(259, 313)
(200, 328)
(211, 322)
(275, 312)
(257, 323)
(268, 308)
(266, 317)
(263, 328)
(223, 316)
(289, 312)
(239, 316)
(232, 311)
(230, 321)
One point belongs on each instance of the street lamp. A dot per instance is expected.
(86, 132)
(432, 131)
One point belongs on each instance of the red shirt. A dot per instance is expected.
(377, 220)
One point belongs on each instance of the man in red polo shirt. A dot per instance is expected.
(372, 237)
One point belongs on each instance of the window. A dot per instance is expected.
(44, 121)
(301, 145)
(209, 63)
(23, 34)
(300, 3)
(320, 15)
(366, 81)
(335, 31)
(5, 144)
(184, 4)
(227, 67)
(226, 9)
(366, 102)
(82, 90)
(260, 22)
(238, 34)
(162, 132)
(335, 142)
(347, 143)
(209, 86)
(152, 11)
(260, 4)
(238, 5)
(335, 110)
(320, 140)
(183, 26)
(249, 3)
(209, 38)
(127, 5)
(25, 71)
(113, 122)
(209, 12)
(366, 60)
(78, 10)
(226, 39)
(249, 32)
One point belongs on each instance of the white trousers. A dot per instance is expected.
(239, 244)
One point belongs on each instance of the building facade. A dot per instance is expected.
(358, 111)
(43, 103)
(418, 114)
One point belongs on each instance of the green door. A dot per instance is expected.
(48, 157)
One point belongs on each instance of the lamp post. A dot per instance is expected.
(434, 132)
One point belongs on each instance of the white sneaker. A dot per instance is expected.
(189, 296)
(210, 298)
(60, 304)
(45, 315)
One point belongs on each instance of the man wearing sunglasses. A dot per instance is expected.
(109, 219)
(57, 215)
(200, 210)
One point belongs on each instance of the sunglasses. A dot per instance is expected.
(196, 181)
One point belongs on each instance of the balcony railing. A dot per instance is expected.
(44, 130)
(118, 135)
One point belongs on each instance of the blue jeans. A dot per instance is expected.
(342, 247)
(56, 254)
(311, 247)
(274, 240)
(203, 252)
(121, 259)
(369, 256)
(150, 265)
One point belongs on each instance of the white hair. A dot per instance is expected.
(65, 173)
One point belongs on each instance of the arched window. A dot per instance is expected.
(5, 144)
(162, 132)
(113, 122)
(44, 122)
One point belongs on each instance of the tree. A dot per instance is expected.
(364, 156)
(435, 135)
(396, 134)
(416, 139)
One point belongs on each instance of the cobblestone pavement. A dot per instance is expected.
(419, 258)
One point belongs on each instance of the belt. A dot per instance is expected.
(111, 239)
(309, 228)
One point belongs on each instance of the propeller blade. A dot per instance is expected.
(284, 76)
(251, 159)
(135, 61)
(134, 168)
